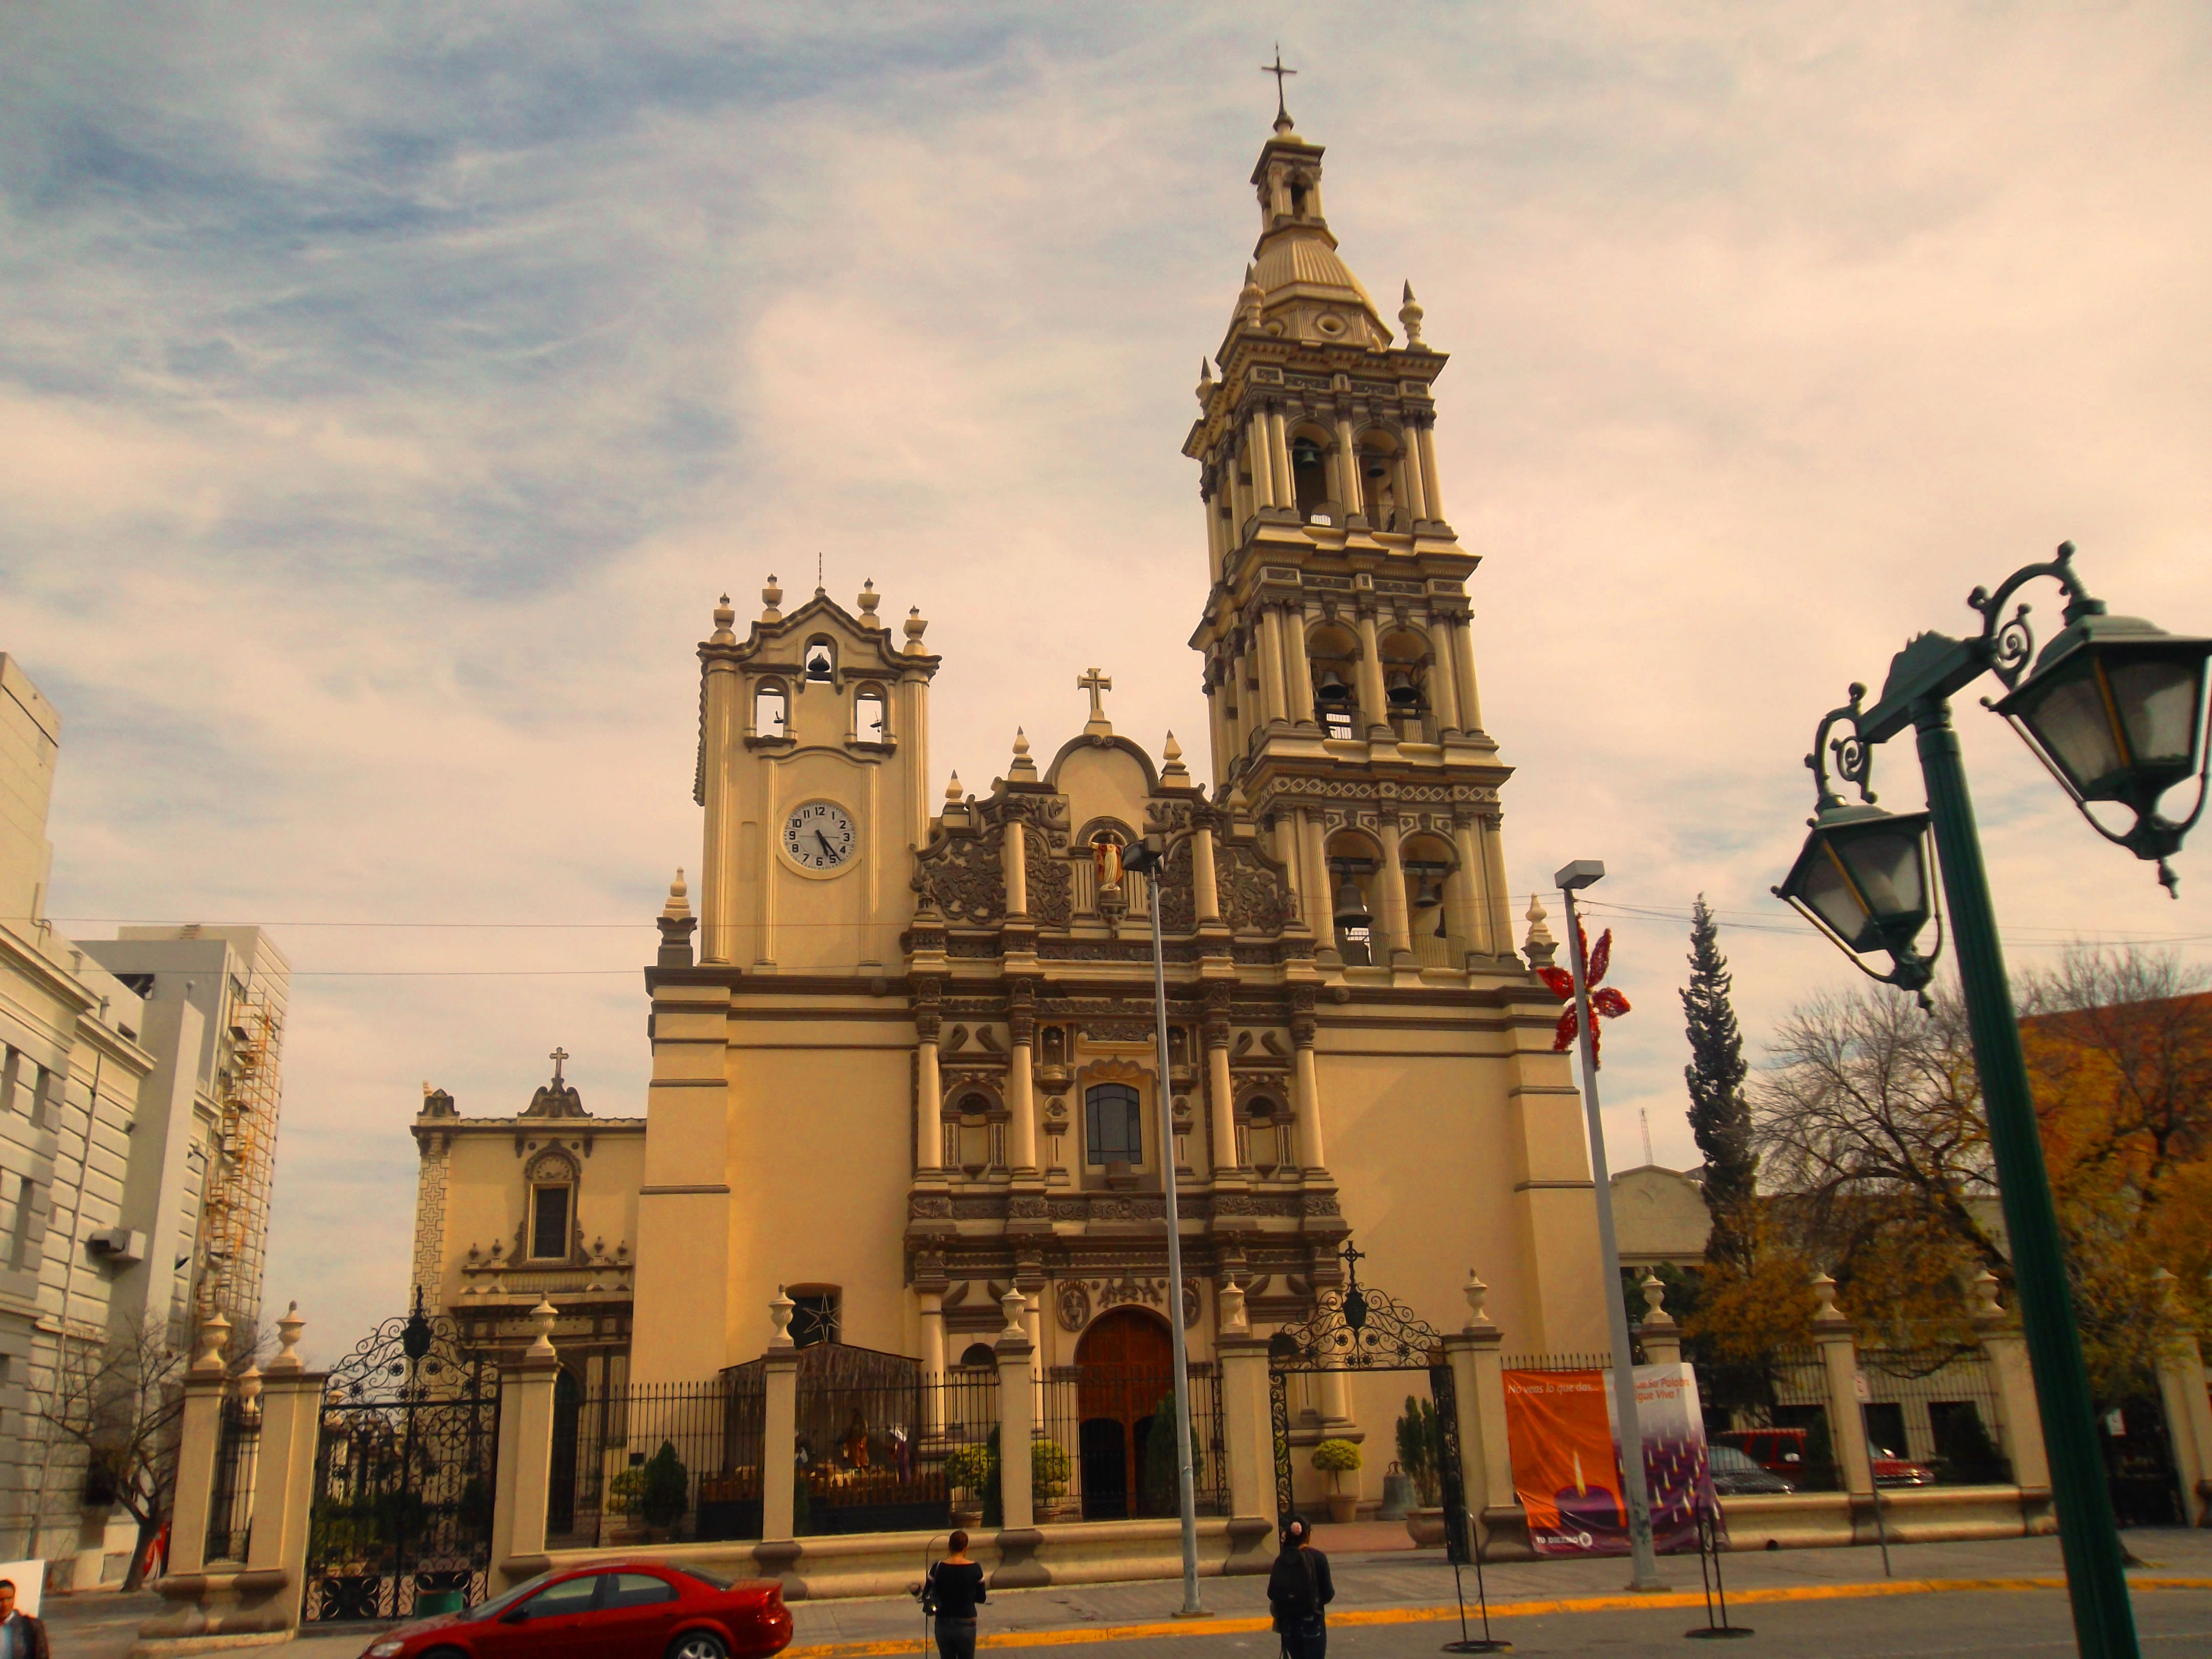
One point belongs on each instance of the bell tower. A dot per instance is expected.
(1340, 675)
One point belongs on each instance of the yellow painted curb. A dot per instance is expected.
(1749, 1597)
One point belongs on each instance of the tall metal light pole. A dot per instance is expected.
(1645, 1573)
(1150, 859)
(2114, 708)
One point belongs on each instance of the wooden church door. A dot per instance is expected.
(1125, 1367)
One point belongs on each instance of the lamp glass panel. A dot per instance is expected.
(2159, 700)
(1885, 863)
(2069, 719)
(1829, 892)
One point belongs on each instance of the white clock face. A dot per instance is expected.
(820, 835)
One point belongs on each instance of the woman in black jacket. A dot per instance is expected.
(955, 1589)
(1298, 1587)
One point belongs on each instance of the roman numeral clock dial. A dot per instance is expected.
(818, 834)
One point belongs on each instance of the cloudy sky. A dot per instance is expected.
(387, 392)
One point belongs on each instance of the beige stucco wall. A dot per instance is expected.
(1659, 1215)
(486, 1196)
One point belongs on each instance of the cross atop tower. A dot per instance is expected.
(1276, 68)
(558, 1056)
(1095, 683)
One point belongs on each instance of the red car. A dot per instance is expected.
(612, 1610)
(1782, 1451)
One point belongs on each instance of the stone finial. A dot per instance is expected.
(288, 1341)
(1986, 1310)
(1251, 299)
(868, 600)
(541, 1321)
(1410, 315)
(1540, 947)
(1476, 1293)
(1205, 382)
(1656, 1316)
(916, 624)
(771, 600)
(724, 618)
(245, 1389)
(1238, 803)
(1824, 1299)
(1175, 772)
(214, 1337)
(680, 898)
(1016, 1307)
(779, 1318)
(1024, 768)
(953, 794)
(1234, 1321)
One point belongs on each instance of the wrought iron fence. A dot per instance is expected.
(230, 1505)
(1937, 1407)
(1106, 1443)
(1558, 1361)
(652, 1461)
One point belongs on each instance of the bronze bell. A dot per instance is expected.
(1351, 906)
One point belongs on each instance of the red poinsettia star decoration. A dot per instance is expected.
(1606, 1003)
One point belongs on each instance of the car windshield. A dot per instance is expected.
(500, 1604)
(714, 1580)
(1726, 1460)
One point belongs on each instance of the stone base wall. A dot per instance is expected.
(1830, 1520)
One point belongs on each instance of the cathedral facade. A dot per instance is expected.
(903, 1050)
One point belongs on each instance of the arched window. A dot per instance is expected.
(871, 719)
(771, 711)
(1113, 1125)
(821, 660)
(978, 1354)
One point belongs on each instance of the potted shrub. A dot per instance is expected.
(664, 1490)
(1421, 1456)
(967, 1471)
(1048, 1469)
(1336, 1459)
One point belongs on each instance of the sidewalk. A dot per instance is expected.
(1388, 1586)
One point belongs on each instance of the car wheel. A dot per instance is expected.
(698, 1644)
(445, 1653)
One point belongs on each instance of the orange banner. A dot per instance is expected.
(1564, 1470)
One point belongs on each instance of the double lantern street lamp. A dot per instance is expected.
(2114, 707)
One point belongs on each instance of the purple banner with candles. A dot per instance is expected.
(1566, 1459)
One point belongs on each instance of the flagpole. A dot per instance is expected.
(1644, 1575)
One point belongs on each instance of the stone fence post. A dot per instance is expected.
(284, 1484)
(2188, 1410)
(2020, 1417)
(1839, 1359)
(1661, 1336)
(1017, 1417)
(200, 1441)
(1247, 1415)
(526, 1455)
(780, 1426)
(1475, 1353)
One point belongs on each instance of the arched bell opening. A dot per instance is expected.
(771, 710)
(1333, 652)
(1406, 670)
(1354, 867)
(1431, 869)
(1382, 481)
(1310, 482)
(871, 716)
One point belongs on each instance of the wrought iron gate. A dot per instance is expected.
(401, 1522)
(1362, 1331)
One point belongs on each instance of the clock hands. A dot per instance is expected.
(828, 851)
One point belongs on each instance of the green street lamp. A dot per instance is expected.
(2115, 707)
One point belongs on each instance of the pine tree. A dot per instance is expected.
(1720, 1116)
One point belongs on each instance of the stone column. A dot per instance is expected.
(1397, 927)
(1661, 1336)
(1320, 894)
(2020, 1417)
(929, 1097)
(932, 1361)
(1263, 465)
(2188, 1409)
(1373, 705)
(1347, 471)
(1417, 495)
(1021, 1094)
(1462, 656)
(1273, 702)
(1839, 1361)
(284, 1491)
(200, 1440)
(718, 896)
(1219, 1085)
(526, 1455)
(1247, 1418)
(1465, 893)
(1432, 486)
(1205, 890)
(1017, 1418)
(780, 1426)
(1301, 667)
(1500, 924)
(1278, 453)
(1312, 1152)
(1016, 859)
(1443, 691)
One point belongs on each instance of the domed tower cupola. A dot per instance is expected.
(1307, 292)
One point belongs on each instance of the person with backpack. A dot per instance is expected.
(1298, 1589)
(952, 1591)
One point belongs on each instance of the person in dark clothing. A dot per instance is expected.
(21, 1636)
(956, 1589)
(1298, 1587)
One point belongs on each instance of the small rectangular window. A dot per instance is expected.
(1115, 1130)
(18, 1235)
(548, 1223)
(41, 1096)
(814, 1318)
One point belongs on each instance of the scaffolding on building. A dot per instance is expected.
(251, 1086)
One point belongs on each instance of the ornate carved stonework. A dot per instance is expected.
(1078, 1301)
(1251, 889)
(964, 877)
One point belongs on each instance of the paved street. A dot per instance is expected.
(1825, 1604)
